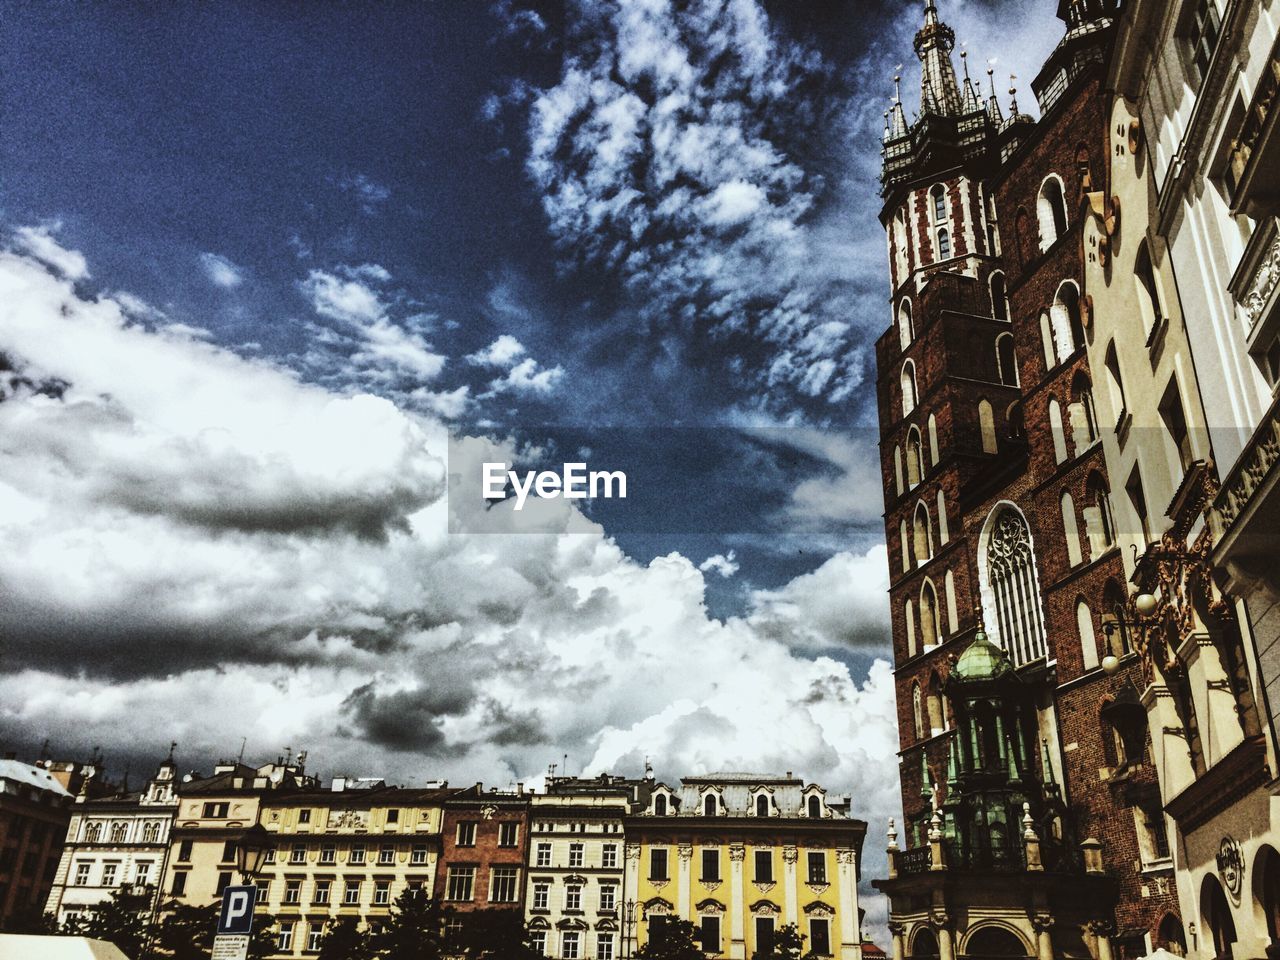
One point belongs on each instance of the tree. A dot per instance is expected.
(788, 944)
(344, 940)
(493, 934)
(123, 920)
(672, 939)
(186, 932)
(415, 930)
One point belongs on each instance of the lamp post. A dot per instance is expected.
(251, 851)
(1144, 604)
(628, 922)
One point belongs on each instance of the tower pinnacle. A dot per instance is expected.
(939, 91)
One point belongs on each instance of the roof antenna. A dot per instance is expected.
(243, 741)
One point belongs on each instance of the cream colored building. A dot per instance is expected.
(349, 851)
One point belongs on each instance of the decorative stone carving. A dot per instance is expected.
(633, 851)
(737, 851)
(488, 811)
(685, 851)
(790, 854)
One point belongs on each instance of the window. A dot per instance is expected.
(329, 853)
(1058, 431)
(119, 831)
(215, 810)
(999, 297)
(1155, 839)
(575, 854)
(1070, 530)
(817, 866)
(224, 881)
(1006, 360)
(906, 328)
(609, 855)
(573, 897)
(284, 939)
(386, 856)
(467, 833)
(82, 874)
(1202, 35)
(820, 936)
(934, 454)
(460, 883)
(608, 896)
(658, 864)
(917, 711)
(922, 536)
(304, 816)
(909, 614)
(762, 805)
(298, 854)
(356, 855)
(1149, 302)
(418, 855)
(660, 805)
(538, 940)
(915, 458)
(381, 893)
(764, 866)
(1010, 583)
(908, 383)
(93, 833)
(897, 469)
(270, 855)
(987, 424)
(764, 936)
(503, 884)
(151, 833)
(315, 934)
(293, 891)
(939, 196)
(543, 855)
(710, 934)
(1175, 422)
(1100, 520)
(1067, 320)
(1051, 211)
(710, 865)
(228, 852)
(109, 871)
(815, 807)
(179, 887)
(944, 244)
(1115, 385)
(604, 946)
(570, 943)
(508, 833)
(1088, 642)
(930, 626)
(393, 815)
(1138, 501)
(541, 894)
(351, 893)
(322, 891)
(1084, 418)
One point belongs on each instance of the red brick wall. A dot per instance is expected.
(487, 815)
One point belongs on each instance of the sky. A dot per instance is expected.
(273, 276)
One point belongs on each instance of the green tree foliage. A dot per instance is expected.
(420, 928)
(344, 940)
(123, 920)
(788, 944)
(672, 939)
(185, 932)
(493, 934)
(415, 930)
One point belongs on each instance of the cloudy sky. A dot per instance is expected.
(269, 276)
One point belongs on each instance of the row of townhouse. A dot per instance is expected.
(592, 865)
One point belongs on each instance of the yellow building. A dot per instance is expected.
(741, 856)
(345, 852)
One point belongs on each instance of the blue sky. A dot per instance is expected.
(262, 262)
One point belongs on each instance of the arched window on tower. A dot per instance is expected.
(1115, 632)
(917, 711)
(943, 533)
(1088, 640)
(999, 297)
(937, 718)
(1068, 323)
(909, 395)
(1084, 417)
(939, 197)
(1056, 430)
(1051, 211)
(930, 620)
(993, 228)
(915, 458)
(1010, 586)
(923, 535)
(934, 454)
(944, 244)
(897, 469)
(909, 614)
(1084, 169)
(906, 328)
(906, 545)
(1071, 532)
(987, 426)
(1006, 360)
(949, 590)
(1100, 523)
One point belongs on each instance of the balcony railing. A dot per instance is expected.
(1252, 470)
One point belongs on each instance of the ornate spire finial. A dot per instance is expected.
(897, 88)
(991, 78)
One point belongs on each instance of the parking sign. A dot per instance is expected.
(236, 916)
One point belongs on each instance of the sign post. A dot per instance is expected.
(235, 923)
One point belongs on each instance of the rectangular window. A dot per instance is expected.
(356, 855)
(228, 852)
(386, 856)
(543, 855)
(215, 810)
(817, 866)
(82, 874)
(460, 883)
(763, 860)
(224, 881)
(541, 893)
(658, 864)
(329, 853)
(764, 936)
(293, 891)
(381, 893)
(573, 897)
(508, 834)
(1157, 839)
(418, 855)
(298, 854)
(179, 887)
(710, 865)
(323, 887)
(503, 884)
(609, 856)
(393, 815)
(109, 874)
(351, 893)
(467, 833)
(304, 816)
(570, 944)
(820, 936)
(710, 934)
(1176, 423)
(315, 933)
(1139, 501)
(1202, 35)
(184, 851)
(575, 854)
(270, 856)
(538, 940)
(604, 946)
(608, 896)
(284, 940)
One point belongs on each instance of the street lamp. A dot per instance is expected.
(628, 921)
(251, 851)
(1144, 604)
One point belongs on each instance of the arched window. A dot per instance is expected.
(118, 832)
(1006, 361)
(1056, 429)
(815, 807)
(1088, 641)
(949, 588)
(939, 197)
(1216, 914)
(922, 534)
(1013, 421)
(1084, 418)
(660, 805)
(924, 944)
(987, 424)
(994, 942)
(909, 395)
(993, 228)
(944, 244)
(897, 469)
(933, 441)
(1172, 936)
(151, 832)
(915, 458)
(999, 297)
(1114, 618)
(943, 534)
(1099, 521)
(906, 329)
(1266, 889)
(906, 545)
(1150, 304)
(1084, 171)
(937, 721)
(1071, 531)
(1068, 322)
(930, 627)
(762, 805)
(1010, 587)
(1047, 342)
(1051, 211)
(917, 711)
(709, 806)
(1115, 385)
(909, 613)
(93, 833)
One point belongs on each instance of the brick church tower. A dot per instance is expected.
(1031, 817)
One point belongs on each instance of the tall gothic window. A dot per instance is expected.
(939, 203)
(1014, 589)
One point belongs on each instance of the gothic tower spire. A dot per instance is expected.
(939, 91)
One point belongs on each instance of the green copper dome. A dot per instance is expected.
(983, 660)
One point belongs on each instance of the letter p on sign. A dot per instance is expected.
(237, 910)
